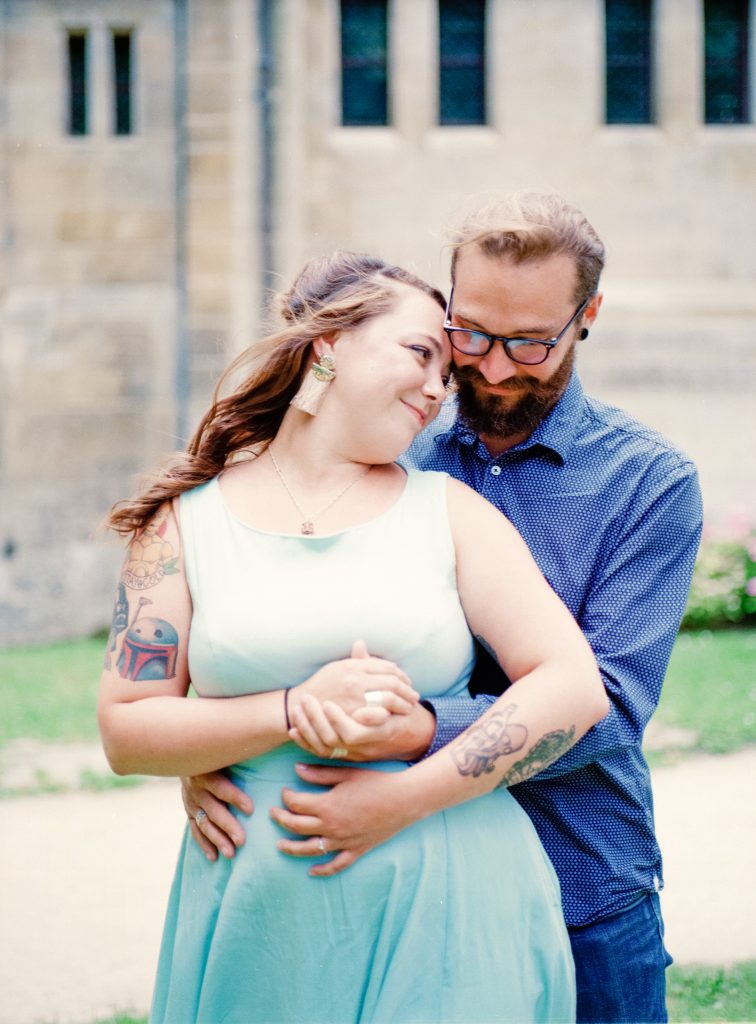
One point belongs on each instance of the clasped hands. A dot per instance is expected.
(348, 708)
(329, 714)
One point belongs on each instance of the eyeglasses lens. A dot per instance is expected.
(528, 352)
(473, 343)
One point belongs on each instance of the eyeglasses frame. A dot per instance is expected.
(506, 342)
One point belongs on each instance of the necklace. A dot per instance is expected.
(308, 526)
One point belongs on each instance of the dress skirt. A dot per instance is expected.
(457, 918)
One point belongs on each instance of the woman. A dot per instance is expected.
(285, 538)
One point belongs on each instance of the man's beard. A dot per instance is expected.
(516, 413)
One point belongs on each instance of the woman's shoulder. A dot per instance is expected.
(199, 493)
(198, 496)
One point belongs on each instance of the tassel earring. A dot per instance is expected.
(315, 384)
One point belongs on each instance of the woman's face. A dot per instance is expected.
(391, 374)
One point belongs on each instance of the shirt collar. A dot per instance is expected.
(555, 433)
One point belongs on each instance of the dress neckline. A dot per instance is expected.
(312, 537)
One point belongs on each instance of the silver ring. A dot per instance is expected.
(340, 752)
(375, 698)
(199, 816)
(322, 845)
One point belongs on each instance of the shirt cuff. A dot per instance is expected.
(453, 716)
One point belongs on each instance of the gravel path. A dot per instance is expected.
(84, 878)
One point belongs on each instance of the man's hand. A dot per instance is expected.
(362, 810)
(218, 830)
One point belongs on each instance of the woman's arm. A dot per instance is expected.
(146, 725)
(556, 696)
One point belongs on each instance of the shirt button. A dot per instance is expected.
(495, 470)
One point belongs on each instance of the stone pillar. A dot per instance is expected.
(678, 66)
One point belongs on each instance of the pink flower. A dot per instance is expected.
(750, 587)
(738, 526)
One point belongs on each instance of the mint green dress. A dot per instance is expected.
(457, 918)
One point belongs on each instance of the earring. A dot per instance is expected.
(315, 384)
(584, 334)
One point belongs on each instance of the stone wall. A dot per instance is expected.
(115, 302)
(132, 267)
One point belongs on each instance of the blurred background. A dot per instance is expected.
(165, 164)
(165, 167)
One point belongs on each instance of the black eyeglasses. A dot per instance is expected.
(529, 351)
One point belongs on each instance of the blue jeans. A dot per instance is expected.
(620, 963)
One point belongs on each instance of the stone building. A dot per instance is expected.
(165, 163)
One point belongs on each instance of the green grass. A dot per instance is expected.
(122, 1018)
(710, 689)
(50, 693)
(707, 993)
(694, 993)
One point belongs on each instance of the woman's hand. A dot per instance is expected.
(327, 731)
(347, 682)
(383, 726)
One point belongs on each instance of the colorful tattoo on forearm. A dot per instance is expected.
(150, 556)
(477, 752)
(540, 756)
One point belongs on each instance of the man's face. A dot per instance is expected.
(500, 399)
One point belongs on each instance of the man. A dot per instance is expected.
(612, 514)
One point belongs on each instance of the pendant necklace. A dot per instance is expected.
(308, 525)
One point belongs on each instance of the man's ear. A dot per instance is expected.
(592, 310)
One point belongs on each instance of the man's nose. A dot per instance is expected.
(496, 366)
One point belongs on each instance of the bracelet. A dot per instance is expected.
(286, 710)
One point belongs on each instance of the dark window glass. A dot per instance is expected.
(364, 62)
(726, 61)
(122, 123)
(77, 83)
(462, 65)
(628, 62)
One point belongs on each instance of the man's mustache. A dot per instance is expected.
(469, 375)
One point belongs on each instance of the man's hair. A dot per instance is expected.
(529, 226)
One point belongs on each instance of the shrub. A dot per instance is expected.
(723, 590)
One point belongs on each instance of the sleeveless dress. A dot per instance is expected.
(457, 918)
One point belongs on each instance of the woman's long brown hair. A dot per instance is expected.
(330, 294)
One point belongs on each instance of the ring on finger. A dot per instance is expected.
(200, 816)
(340, 752)
(322, 844)
(374, 698)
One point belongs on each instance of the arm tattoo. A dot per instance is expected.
(120, 622)
(151, 556)
(540, 756)
(477, 751)
(150, 648)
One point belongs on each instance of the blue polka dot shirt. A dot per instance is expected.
(612, 514)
